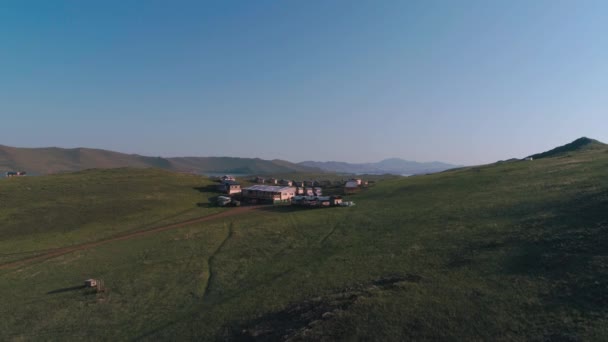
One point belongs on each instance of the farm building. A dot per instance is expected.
(268, 193)
(260, 180)
(357, 180)
(230, 187)
(351, 186)
(272, 181)
(227, 178)
(286, 182)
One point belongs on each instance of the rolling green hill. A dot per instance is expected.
(40, 161)
(509, 251)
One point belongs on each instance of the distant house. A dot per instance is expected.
(335, 200)
(268, 193)
(529, 158)
(227, 178)
(358, 180)
(298, 184)
(286, 182)
(351, 186)
(230, 187)
(260, 180)
(309, 192)
(300, 191)
(317, 191)
(272, 181)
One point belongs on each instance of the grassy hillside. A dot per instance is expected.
(236, 165)
(580, 144)
(511, 251)
(40, 161)
(40, 213)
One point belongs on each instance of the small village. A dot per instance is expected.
(308, 193)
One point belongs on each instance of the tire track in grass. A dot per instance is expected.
(210, 260)
(126, 236)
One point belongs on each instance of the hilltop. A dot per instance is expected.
(387, 166)
(580, 144)
(510, 251)
(40, 161)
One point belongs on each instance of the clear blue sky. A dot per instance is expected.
(457, 81)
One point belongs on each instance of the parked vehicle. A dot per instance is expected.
(222, 201)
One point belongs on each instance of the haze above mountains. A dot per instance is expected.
(48, 160)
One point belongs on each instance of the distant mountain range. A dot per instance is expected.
(48, 160)
(392, 166)
(40, 161)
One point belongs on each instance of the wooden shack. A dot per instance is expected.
(90, 283)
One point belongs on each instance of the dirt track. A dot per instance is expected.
(125, 236)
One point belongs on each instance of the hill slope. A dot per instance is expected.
(508, 251)
(579, 144)
(391, 165)
(53, 160)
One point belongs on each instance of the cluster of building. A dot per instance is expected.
(288, 182)
(15, 174)
(303, 193)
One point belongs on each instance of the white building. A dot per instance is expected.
(269, 193)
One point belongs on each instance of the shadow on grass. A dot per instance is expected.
(208, 188)
(66, 289)
(570, 250)
(565, 248)
(281, 208)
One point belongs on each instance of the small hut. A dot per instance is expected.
(90, 283)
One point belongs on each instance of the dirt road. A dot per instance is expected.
(126, 236)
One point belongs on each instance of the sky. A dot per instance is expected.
(465, 82)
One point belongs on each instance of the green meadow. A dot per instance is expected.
(510, 251)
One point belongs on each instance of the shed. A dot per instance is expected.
(90, 283)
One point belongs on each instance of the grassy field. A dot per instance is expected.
(510, 251)
(41, 213)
